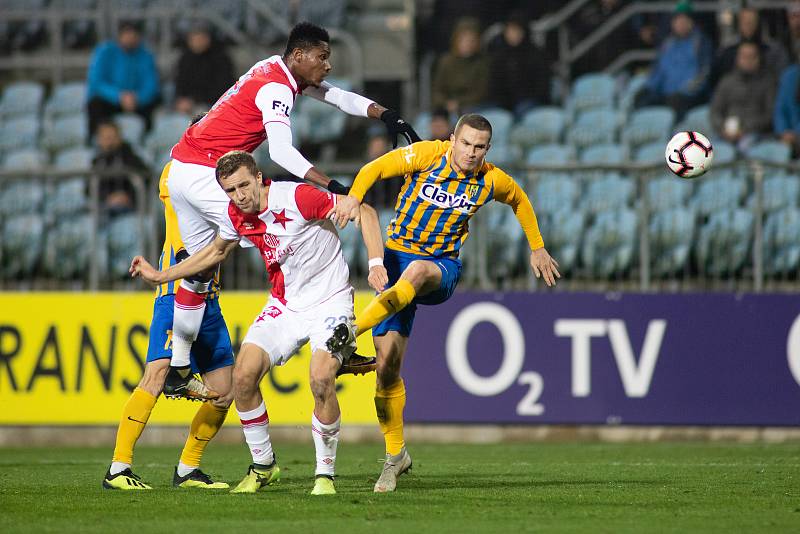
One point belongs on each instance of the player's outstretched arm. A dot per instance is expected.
(371, 232)
(198, 262)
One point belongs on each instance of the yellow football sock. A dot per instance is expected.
(385, 305)
(135, 414)
(389, 404)
(205, 425)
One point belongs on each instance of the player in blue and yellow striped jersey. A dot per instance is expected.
(446, 183)
(211, 356)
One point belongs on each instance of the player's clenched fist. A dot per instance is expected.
(378, 278)
(142, 269)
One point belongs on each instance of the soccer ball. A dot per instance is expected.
(689, 154)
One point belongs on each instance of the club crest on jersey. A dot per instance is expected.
(272, 241)
(281, 107)
(472, 190)
(445, 199)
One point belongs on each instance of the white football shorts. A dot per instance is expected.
(282, 332)
(200, 204)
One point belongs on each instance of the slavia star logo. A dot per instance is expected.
(281, 218)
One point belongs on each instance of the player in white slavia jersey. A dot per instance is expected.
(255, 109)
(310, 294)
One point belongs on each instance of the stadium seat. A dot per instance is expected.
(66, 99)
(671, 232)
(632, 88)
(353, 249)
(591, 91)
(70, 195)
(550, 154)
(606, 154)
(167, 130)
(779, 192)
(22, 244)
(65, 132)
(421, 124)
(555, 194)
(19, 132)
(131, 127)
(651, 153)
(323, 122)
(782, 242)
(608, 193)
(505, 239)
(724, 241)
(501, 121)
(25, 195)
(26, 159)
(67, 255)
(696, 119)
(718, 193)
(593, 126)
(648, 125)
(609, 243)
(504, 154)
(21, 98)
(563, 231)
(124, 242)
(772, 151)
(538, 126)
(668, 193)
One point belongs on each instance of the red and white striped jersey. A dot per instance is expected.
(299, 245)
(237, 120)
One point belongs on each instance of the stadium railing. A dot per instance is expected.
(613, 228)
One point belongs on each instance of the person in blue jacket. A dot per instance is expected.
(786, 117)
(122, 78)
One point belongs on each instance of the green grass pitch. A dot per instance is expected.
(573, 487)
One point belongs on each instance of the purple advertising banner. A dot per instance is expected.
(685, 359)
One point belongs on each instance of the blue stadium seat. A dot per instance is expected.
(606, 154)
(648, 125)
(167, 130)
(65, 132)
(504, 154)
(124, 242)
(26, 195)
(772, 151)
(131, 127)
(671, 232)
(608, 193)
(591, 91)
(66, 99)
(501, 121)
(555, 194)
(609, 243)
(782, 242)
(26, 159)
(563, 232)
(697, 119)
(538, 126)
(505, 251)
(779, 192)
(550, 154)
(594, 126)
(70, 195)
(325, 122)
(718, 193)
(19, 132)
(724, 242)
(67, 255)
(22, 244)
(21, 98)
(651, 153)
(631, 89)
(668, 193)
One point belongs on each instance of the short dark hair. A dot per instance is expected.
(129, 25)
(473, 120)
(305, 36)
(233, 161)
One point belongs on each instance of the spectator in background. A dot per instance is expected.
(122, 78)
(461, 78)
(204, 72)
(680, 76)
(786, 117)
(378, 143)
(116, 193)
(519, 72)
(773, 56)
(791, 39)
(440, 128)
(741, 108)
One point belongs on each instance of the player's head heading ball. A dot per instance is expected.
(471, 140)
(238, 175)
(307, 53)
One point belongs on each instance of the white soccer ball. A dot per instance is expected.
(689, 154)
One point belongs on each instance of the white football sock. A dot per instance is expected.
(184, 469)
(255, 425)
(326, 439)
(118, 467)
(190, 306)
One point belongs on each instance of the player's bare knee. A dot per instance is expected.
(420, 273)
(245, 380)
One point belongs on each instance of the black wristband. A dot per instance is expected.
(337, 189)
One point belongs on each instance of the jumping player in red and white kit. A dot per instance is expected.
(255, 109)
(311, 293)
